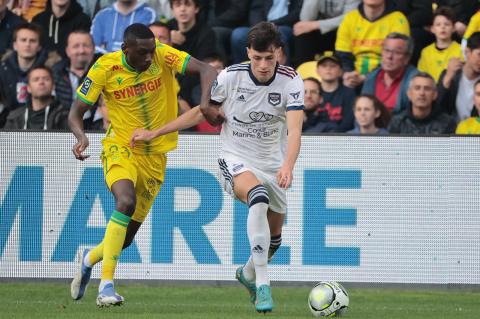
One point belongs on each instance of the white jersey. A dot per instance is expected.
(255, 113)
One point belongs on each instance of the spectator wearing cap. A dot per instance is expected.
(389, 82)
(335, 111)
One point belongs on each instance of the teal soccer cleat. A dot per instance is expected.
(108, 297)
(264, 302)
(252, 290)
(82, 277)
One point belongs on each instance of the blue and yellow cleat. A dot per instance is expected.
(251, 288)
(108, 297)
(82, 277)
(264, 302)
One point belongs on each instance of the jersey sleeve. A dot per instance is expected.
(173, 58)
(219, 88)
(93, 84)
(295, 92)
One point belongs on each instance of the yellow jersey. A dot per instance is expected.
(469, 126)
(434, 61)
(364, 38)
(473, 26)
(137, 100)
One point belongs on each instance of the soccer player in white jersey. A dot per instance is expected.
(257, 103)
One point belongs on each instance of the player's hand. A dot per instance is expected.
(141, 135)
(213, 115)
(80, 147)
(284, 177)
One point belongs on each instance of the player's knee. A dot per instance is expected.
(257, 194)
(126, 205)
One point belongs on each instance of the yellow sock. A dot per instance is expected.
(95, 255)
(113, 243)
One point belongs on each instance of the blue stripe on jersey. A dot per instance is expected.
(295, 108)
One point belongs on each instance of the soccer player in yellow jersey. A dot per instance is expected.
(137, 84)
(435, 57)
(471, 125)
(361, 34)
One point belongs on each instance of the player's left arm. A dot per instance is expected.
(294, 126)
(295, 106)
(188, 119)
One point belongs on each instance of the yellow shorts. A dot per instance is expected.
(147, 173)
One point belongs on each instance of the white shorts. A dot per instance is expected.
(231, 166)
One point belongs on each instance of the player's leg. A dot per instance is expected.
(95, 255)
(275, 221)
(125, 200)
(249, 189)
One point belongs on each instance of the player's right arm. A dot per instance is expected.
(212, 110)
(87, 95)
(75, 121)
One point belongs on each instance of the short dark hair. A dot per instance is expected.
(424, 75)
(39, 67)
(137, 31)
(159, 24)
(195, 2)
(474, 41)
(316, 81)
(214, 57)
(27, 26)
(263, 35)
(446, 12)
(385, 116)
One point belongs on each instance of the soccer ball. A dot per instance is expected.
(328, 299)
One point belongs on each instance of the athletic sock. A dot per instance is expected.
(259, 232)
(249, 270)
(113, 243)
(275, 242)
(94, 255)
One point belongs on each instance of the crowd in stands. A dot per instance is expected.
(369, 67)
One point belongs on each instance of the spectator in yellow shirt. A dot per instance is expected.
(435, 57)
(361, 34)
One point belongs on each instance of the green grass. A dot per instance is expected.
(51, 300)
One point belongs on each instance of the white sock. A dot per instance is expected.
(259, 232)
(249, 270)
(103, 283)
(86, 260)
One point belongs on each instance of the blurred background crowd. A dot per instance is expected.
(369, 67)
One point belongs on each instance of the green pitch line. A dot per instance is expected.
(52, 300)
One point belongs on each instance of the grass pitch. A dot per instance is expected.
(52, 300)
